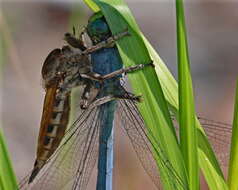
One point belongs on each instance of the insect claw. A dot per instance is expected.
(67, 36)
(83, 104)
(126, 30)
(74, 30)
(151, 63)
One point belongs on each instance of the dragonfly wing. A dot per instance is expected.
(135, 128)
(72, 163)
(219, 135)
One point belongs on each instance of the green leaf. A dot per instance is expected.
(92, 5)
(7, 177)
(154, 107)
(214, 180)
(170, 89)
(233, 166)
(188, 133)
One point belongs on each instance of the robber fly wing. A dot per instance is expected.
(141, 140)
(71, 164)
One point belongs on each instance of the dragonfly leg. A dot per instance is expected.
(110, 98)
(69, 83)
(124, 94)
(80, 44)
(126, 70)
(99, 78)
(110, 42)
(129, 97)
(93, 76)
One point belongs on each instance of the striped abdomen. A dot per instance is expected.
(54, 122)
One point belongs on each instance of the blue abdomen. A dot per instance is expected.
(105, 61)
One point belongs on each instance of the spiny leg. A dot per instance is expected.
(100, 78)
(110, 42)
(123, 94)
(74, 42)
(126, 70)
(68, 84)
(89, 94)
(109, 98)
(80, 44)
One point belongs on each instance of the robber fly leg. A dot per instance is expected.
(84, 102)
(93, 76)
(89, 94)
(74, 42)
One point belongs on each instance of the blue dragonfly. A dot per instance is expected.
(90, 138)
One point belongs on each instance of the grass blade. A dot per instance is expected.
(188, 134)
(7, 176)
(233, 167)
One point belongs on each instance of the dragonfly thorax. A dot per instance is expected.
(97, 29)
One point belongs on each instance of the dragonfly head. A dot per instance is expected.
(97, 28)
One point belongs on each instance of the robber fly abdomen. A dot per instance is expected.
(54, 122)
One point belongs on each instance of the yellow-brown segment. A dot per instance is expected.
(54, 122)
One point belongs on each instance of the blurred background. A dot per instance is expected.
(34, 28)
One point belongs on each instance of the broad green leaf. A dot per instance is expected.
(154, 107)
(187, 127)
(170, 89)
(214, 180)
(233, 166)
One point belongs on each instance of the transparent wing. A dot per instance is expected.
(134, 126)
(219, 135)
(71, 165)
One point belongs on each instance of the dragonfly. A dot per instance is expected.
(66, 158)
